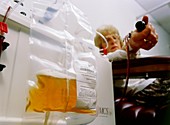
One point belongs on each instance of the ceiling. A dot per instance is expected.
(160, 11)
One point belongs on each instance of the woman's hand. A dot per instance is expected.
(145, 39)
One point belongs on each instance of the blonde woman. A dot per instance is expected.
(145, 39)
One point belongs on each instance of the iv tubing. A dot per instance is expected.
(103, 39)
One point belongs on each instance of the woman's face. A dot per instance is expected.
(113, 42)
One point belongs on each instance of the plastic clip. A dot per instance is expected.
(3, 27)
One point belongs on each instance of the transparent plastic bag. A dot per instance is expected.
(62, 77)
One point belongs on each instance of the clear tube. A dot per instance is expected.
(103, 39)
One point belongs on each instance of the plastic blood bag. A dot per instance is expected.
(63, 73)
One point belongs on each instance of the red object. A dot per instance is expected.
(105, 51)
(3, 27)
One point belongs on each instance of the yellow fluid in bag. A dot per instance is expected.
(54, 94)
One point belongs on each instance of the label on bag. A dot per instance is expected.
(86, 83)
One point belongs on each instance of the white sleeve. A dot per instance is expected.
(117, 55)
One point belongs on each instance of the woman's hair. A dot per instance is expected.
(105, 30)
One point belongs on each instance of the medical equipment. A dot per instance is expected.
(4, 29)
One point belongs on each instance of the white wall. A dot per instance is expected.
(120, 13)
